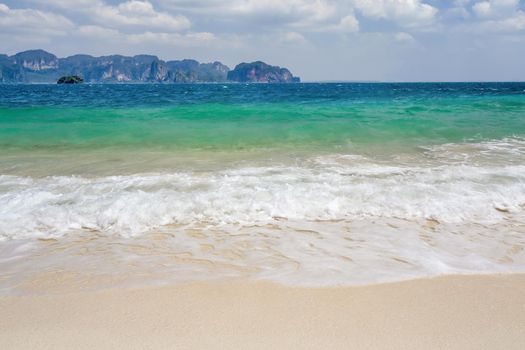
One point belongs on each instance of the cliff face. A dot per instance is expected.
(191, 71)
(260, 72)
(9, 71)
(157, 71)
(41, 66)
(36, 60)
(114, 68)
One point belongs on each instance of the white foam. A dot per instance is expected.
(135, 204)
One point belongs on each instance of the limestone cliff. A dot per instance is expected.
(260, 72)
(41, 66)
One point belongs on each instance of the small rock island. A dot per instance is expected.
(70, 79)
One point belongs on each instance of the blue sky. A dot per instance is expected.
(380, 40)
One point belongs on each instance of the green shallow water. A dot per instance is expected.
(216, 126)
(169, 127)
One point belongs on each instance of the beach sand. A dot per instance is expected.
(453, 312)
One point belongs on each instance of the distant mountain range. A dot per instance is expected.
(39, 66)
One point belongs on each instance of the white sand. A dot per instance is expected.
(459, 312)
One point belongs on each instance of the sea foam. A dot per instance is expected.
(334, 187)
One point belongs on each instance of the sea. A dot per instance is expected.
(312, 184)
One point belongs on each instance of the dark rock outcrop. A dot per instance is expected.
(71, 79)
(260, 72)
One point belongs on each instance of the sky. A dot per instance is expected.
(318, 40)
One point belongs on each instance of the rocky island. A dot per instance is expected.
(260, 72)
(71, 79)
(39, 66)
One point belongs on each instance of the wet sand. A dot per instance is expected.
(453, 312)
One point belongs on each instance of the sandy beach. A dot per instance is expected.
(453, 312)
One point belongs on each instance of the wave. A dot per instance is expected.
(323, 188)
(325, 220)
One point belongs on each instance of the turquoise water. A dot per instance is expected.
(173, 126)
(233, 117)
(429, 174)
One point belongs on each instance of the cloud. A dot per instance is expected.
(108, 28)
(137, 13)
(459, 8)
(298, 11)
(294, 16)
(406, 13)
(128, 14)
(499, 16)
(514, 23)
(402, 37)
(293, 38)
(348, 24)
(312, 14)
(96, 31)
(30, 21)
(482, 9)
(495, 8)
(189, 39)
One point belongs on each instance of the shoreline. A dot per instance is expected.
(447, 312)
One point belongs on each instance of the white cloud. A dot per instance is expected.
(499, 16)
(34, 22)
(131, 13)
(311, 14)
(96, 31)
(349, 24)
(190, 39)
(99, 33)
(407, 13)
(291, 9)
(482, 9)
(304, 15)
(460, 9)
(495, 8)
(297, 16)
(305, 11)
(514, 23)
(308, 15)
(137, 13)
(293, 38)
(403, 37)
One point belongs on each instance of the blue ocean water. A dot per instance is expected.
(238, 116)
